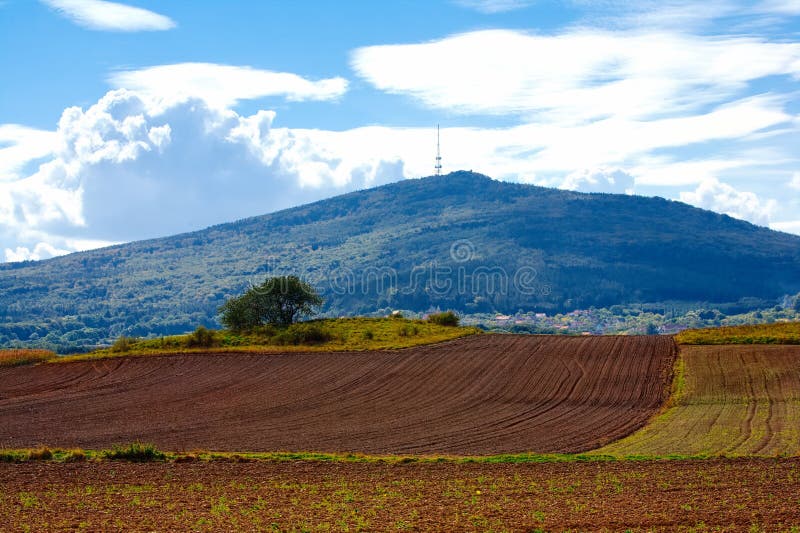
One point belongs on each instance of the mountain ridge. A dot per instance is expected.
(461, 241)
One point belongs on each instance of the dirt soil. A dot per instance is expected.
(485, 394)
(709, 495)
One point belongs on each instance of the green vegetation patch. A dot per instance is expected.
(136, 452)
(141, 452)
(777, 333)
(337, 334)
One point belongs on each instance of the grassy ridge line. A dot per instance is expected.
(147, 453)
(777, 333)
(344, 334)
(18, 357)
(255, 349)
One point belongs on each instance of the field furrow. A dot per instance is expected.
(480, 395)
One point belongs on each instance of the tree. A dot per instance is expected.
(447, 318)
(279, 301)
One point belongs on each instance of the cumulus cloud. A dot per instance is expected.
(610, 180)
(224, 85)
(494, 6)
(722, 198)
(110, 16)
(577, 76)
(128, 168)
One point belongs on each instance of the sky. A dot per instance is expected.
(122, 121)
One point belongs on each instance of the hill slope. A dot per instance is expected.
(459, 241)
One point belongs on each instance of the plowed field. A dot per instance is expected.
(736, 400)
(479, 395)
(699, 496)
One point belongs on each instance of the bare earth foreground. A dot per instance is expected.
(485, 394)
(705, 495)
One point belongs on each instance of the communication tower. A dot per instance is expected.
(438, 166)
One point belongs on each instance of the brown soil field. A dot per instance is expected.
(707, 495)
(485, 394)
(735, 400)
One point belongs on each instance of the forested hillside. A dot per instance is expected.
(460, 241)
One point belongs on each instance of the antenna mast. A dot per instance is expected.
(438, 166)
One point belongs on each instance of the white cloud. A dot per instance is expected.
(52, 247)
(610, 180)
(789, 226)
(224, 85)
(110, 16)
(128, 168)
(577, 76)
(616, 141)
(20, 145)
(494, 6)
(660, 171)
(722, 198)
(795, 181)
(42, 250)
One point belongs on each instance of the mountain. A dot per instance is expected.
(460, 241)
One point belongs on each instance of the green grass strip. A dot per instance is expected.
(138, 452)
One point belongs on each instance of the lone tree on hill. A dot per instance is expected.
(279, 301)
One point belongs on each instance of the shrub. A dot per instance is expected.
(303, 333)
(136, 452)
(368, 335)
(201, 338)
(75, 456)
(407, 330)
(266, 330)
(447, 318)
(40, 454)
(11, 456)
(123, 344)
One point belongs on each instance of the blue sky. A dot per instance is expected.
(123, 121)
